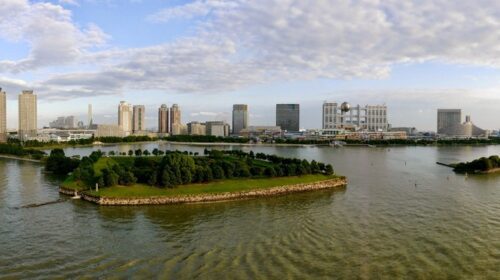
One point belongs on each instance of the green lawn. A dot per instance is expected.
(222, 186)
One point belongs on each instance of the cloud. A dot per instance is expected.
(53, 38)
(246, 43)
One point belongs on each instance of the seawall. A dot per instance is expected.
(200, 198)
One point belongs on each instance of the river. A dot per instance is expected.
(401, 216)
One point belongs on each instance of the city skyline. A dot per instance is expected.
(182, 51)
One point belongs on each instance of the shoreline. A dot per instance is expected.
(19, 158)
(209, 197)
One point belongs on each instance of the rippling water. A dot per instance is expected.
(401, 216)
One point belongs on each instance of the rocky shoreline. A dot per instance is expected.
(200, 198)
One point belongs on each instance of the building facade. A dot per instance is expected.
(125, 114)
(163, 123)
(175, 120)
(139, 119)
(447, 118)
(240, 118)
(109, 130)
(369, 117)
(288, 117)
(3, 116)
(217, 128)
(196, 128)
(27, 115)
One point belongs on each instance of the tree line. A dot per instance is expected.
(481, 164)
(176, 168)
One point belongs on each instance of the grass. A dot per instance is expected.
(70, 183)
(222, 186)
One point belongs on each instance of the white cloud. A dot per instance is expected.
(54, 39)
(243, 43)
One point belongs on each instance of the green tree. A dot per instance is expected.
(329, 169)
(138, 152)
(130, 152)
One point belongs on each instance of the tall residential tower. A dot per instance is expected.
(27, 115)
(175, 120)
(163, 124)
(139, 119)
(125, 117)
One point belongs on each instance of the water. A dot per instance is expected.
(401, 216)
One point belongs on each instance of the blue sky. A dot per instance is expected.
(205, 55)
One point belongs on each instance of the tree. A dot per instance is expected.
(152, 178)
(186, 175)
(112, 153)
(161, 153)
(166, 179)
(218, 172)
(130, 152)
(329, 169)
(270, 172)
(138, 152)
(146, 153)
(156, 151)
(110, 178)
(314, 167)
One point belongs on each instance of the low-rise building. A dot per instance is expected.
(196, 128)
(260, 131)
(217, 128)
(109, 130)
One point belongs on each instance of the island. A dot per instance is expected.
(148, 178)
(482, 165)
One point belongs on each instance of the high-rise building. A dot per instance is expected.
(175, 120)
(163, 124)
(90, 118)
(3, 116)
(125, 113)
(240, 118)
(27, 115)
(288, 116)
(139, 119)
(369, 117)
(447, 118)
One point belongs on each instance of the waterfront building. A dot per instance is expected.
(179, 129)
(411, 131)
(27, 115)
(447, 118)
(175, 126)
(196, 128)
(240, 118)
(163, 123)
(463, 130)
(217, 128)
(63, 123)
(369, 117)
(288, 117)
(139, 119)
(3, 116)
(125, 113)
(262, 131)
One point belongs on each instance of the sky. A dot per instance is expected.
(414, 56)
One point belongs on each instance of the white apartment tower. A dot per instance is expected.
(369, 117)
(163, 123)
(27, 115)
(175, 126)
(125, 113)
